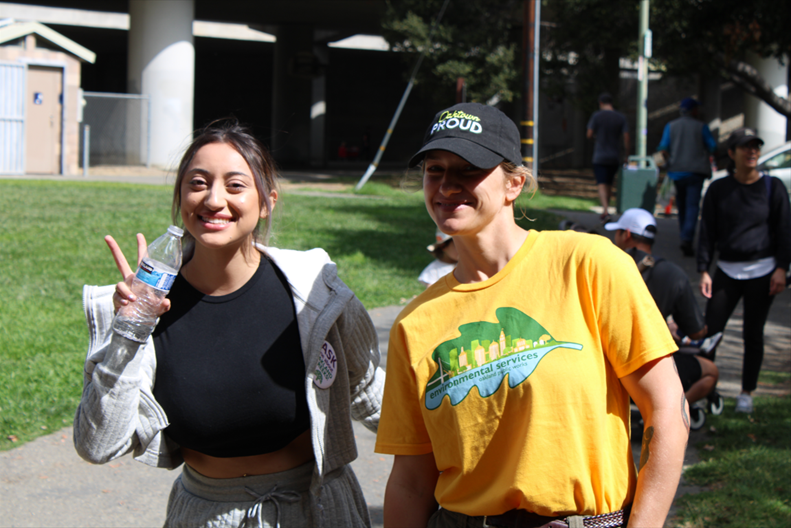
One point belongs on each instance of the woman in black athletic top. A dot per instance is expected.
(745, 219)
(258, 361)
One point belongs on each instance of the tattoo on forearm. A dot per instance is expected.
(648, 434)
(684, 414)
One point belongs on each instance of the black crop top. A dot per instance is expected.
(230, 372)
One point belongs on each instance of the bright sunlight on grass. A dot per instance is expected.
(745, 468)
(51, 244)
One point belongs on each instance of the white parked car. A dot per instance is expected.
(776, 162)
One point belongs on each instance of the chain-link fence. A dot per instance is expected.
(120, 128)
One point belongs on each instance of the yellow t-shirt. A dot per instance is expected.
(513, 383)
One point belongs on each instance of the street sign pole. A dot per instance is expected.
(642, 80)
(527, 87)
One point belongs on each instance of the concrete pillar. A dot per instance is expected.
(318, 109)
(292, 87)
(769, 124)
(162, 66)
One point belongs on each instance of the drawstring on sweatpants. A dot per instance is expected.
(273, 495)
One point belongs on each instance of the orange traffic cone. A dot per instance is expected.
(669, 206)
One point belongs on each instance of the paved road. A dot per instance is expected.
(45, 483)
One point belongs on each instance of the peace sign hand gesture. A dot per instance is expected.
(123, 290)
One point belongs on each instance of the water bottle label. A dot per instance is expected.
(156, 279)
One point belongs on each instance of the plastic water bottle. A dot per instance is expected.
(152, 282)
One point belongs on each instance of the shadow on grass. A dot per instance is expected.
(395, 232)
(746, 468)
(391, 232)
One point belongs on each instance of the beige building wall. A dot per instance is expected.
(31, 53)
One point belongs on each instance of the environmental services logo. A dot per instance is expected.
(458, 119)
(485, 352)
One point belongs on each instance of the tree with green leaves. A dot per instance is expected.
(583, 42)
(714, 37)
(477, 40)
(587, 38)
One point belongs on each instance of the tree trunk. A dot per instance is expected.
(751, 81)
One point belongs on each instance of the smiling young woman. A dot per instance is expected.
(746, 219)
(238, 380)
(507, 396)
(220, 209)
(219, 196)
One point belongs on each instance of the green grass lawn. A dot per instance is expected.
(51, 244)
(745, 467)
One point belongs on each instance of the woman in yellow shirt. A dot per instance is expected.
(507, 396)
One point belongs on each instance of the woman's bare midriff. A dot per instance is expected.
(298, 452)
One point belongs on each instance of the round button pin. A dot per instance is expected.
(327, 368)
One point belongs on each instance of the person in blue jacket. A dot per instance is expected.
(686, 145)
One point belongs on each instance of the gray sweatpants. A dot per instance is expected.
(266, 501)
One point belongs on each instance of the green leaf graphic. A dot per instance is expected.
(485, 352)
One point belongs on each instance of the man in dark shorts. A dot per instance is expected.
(635, 232)
(607, 126)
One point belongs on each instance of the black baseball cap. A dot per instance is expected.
(481, 134)
(742, 136)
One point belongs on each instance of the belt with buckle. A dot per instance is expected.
(526, 519)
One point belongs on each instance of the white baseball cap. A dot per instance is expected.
(636, 221)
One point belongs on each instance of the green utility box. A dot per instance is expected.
(637, 184)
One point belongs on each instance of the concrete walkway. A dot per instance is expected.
(45, 483)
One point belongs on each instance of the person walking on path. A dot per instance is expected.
(746, 219)
(686, 145)
(508, 381)
(607, 125)
(260, 358)
(635, 233)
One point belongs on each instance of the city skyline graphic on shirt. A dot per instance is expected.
(485, 352)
